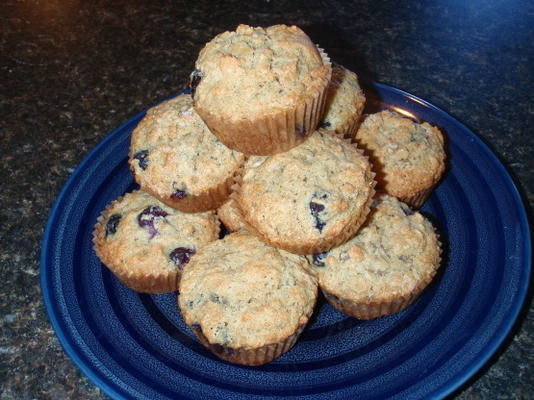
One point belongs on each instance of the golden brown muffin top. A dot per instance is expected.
(345, 99)
(409, 156)
(251, 72)
(173, 152)
(242, 293)
(393, 253)
(307, 195)
(139, 234)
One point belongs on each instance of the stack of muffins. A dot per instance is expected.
(270, 143)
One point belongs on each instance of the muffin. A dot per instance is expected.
(261, 90)
(408, 157)
(309, 199)
(384, 267)
(230, 216)
(344, 103)
(146, 243)
(176, 159)
(245, 301)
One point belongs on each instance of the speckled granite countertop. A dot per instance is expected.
(72, 71)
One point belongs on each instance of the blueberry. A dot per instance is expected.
(146, 219)
(141, 156)
(194, 80)
(112, 224)
(318, 259)
(301, 130)
(178, 194)
(325, 125)
(196, 327)
(315, 209)
(181, 256)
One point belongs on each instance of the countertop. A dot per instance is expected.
(72, 71)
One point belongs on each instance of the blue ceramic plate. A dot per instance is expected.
(137, 346)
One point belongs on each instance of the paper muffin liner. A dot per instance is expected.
(389, 305)
(416, 200)
(255, 356)
(152, 283)
(163, 282)
(325, 244)
(277, 132)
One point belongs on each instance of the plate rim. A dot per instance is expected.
(444, 390)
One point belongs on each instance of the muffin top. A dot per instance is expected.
(173, 154)
(344, 101)
(242, 293)
(252, 72)
(408, 156)
(139, 234)
(308, 196)
(394, 252)
(230, 216)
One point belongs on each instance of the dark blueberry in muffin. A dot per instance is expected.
(318, 259)
(181, 256)
(112, 224)
(141, 156)
(178, 194)
(196, 327)
(325, 125)
(315, 209)
(147, 217)
(194, 80)
(301, 130)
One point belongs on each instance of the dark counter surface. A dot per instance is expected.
(71, 72)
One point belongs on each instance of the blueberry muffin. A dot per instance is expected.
(261, 90)
(176, 159)
(146, 243)
(245, 301)
(230, 216)
(309, 199)
(408, 157)
(385, 267)
(344, 103)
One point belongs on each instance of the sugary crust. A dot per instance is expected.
(180, 153)
(275, 194)
(230, 216)
(409, 157)
(140, 256)
(243, 295)
(385, 266)
(262, 91)
(344, 103)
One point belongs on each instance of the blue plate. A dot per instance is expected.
(136, 346)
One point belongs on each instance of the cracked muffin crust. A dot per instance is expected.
(344, 103)
(175, 158)
(409, 157)
(146, 243)
(261, 90)
(246, 301)
(385, 266)
(309, 199)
